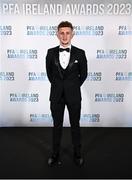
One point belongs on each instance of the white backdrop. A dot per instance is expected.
(102, 28)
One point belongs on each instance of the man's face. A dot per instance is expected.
(65, 34)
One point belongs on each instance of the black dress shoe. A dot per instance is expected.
(54, 160)
(79, 161)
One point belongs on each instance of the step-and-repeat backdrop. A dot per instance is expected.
(102, 28)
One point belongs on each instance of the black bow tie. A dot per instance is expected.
(64, 49)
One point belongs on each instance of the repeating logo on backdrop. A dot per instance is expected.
(5, 30)
(109, 97)
(123, 76)
(37, 76)
(24, 97)
(22, 54)
(125, 30)
(41, 30)
(41, 118)
(96, 30)
(111, 54)
(94, 76)
(90, 118)
(7, 76)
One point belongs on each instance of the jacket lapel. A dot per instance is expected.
(57, 63)
(71, 61)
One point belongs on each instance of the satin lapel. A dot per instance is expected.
(71, 62)
(57, 61)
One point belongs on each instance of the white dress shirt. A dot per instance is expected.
(64, 57)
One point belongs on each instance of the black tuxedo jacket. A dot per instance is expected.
(68, 81)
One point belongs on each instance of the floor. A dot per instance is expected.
(24, 152)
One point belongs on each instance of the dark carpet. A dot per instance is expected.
(24, 152)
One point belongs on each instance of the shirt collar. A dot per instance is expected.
(65, 47)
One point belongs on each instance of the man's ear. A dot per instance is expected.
(73, 33)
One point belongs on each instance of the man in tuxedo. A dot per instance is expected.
(66, 67)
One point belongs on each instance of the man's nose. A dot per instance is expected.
(65, 36)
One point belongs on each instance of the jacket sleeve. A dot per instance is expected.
(83, 68)
(49, 65)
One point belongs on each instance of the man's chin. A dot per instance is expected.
(65, 44)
